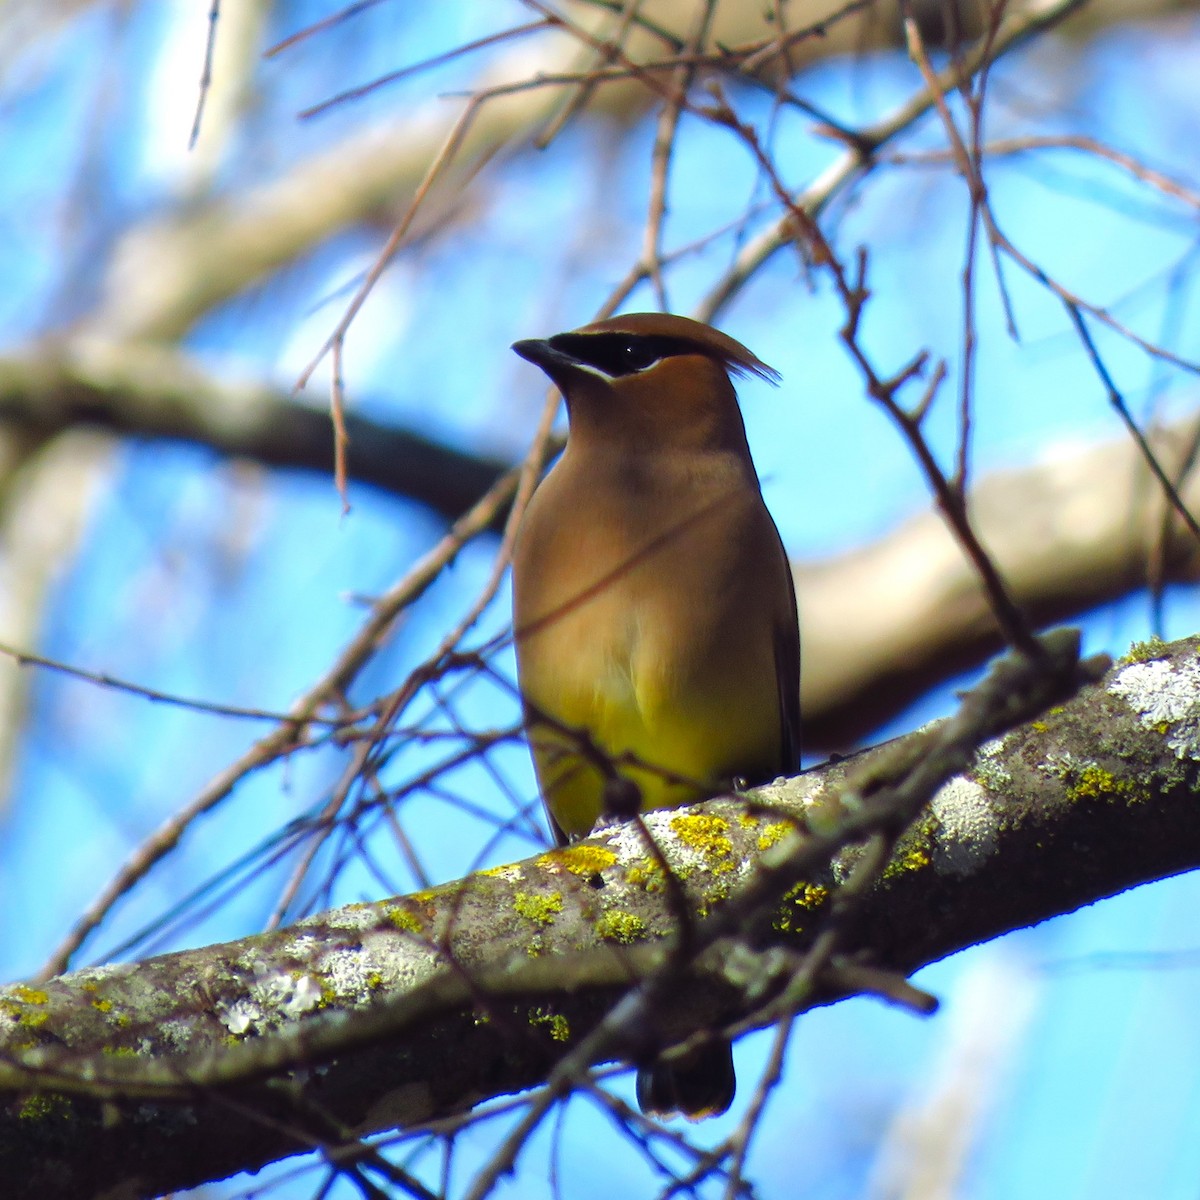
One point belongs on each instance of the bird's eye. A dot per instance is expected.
(637, 354)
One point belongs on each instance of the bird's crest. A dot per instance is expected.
(664, 334)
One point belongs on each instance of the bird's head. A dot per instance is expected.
(649, 379)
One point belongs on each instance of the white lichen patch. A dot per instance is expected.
(990, 768)
(967, 833)
(239, 1016)
(290, 996)
(993, 747)
(625, 840)
(352, 917)
(177, 1033)
(306, 946)
(275, 998)
(787, 790)
(349, 973)
(1059, 764)
(628, 842)
(1166, 695)
(87, 976)
(401, 962)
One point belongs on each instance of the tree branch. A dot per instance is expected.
(884, 623)
(146, 391)
(421, 1006)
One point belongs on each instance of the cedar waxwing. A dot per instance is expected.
(653, 609)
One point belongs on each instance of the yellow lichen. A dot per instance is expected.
(119, 1051)
(770, 834)
(506, 871)
(1152, 648)
(558, 1025)
(704, 833)
(907, 858)
(913, 851)
(404, 918)
(102, 1005)
(1094, 781)
(617, 925)
(583, 860)
(537, 907)
(806, 896)
(648, 875)
(18, 1006)
(41, 1106)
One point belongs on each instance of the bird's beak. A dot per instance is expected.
(542, 354)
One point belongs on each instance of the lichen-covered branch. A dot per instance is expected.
(164, 1073)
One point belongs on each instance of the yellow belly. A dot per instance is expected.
(678, 740)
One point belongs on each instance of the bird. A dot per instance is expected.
(654, 614)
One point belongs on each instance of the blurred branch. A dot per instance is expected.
(164, 275)
(225, 92)
(884, 623)
(45, 504)
(1082, 144)
(152, 392)
(419, 1007)
(931, 1141)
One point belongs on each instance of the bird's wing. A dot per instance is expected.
(787, 673)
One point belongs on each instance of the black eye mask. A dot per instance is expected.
(619, 354)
